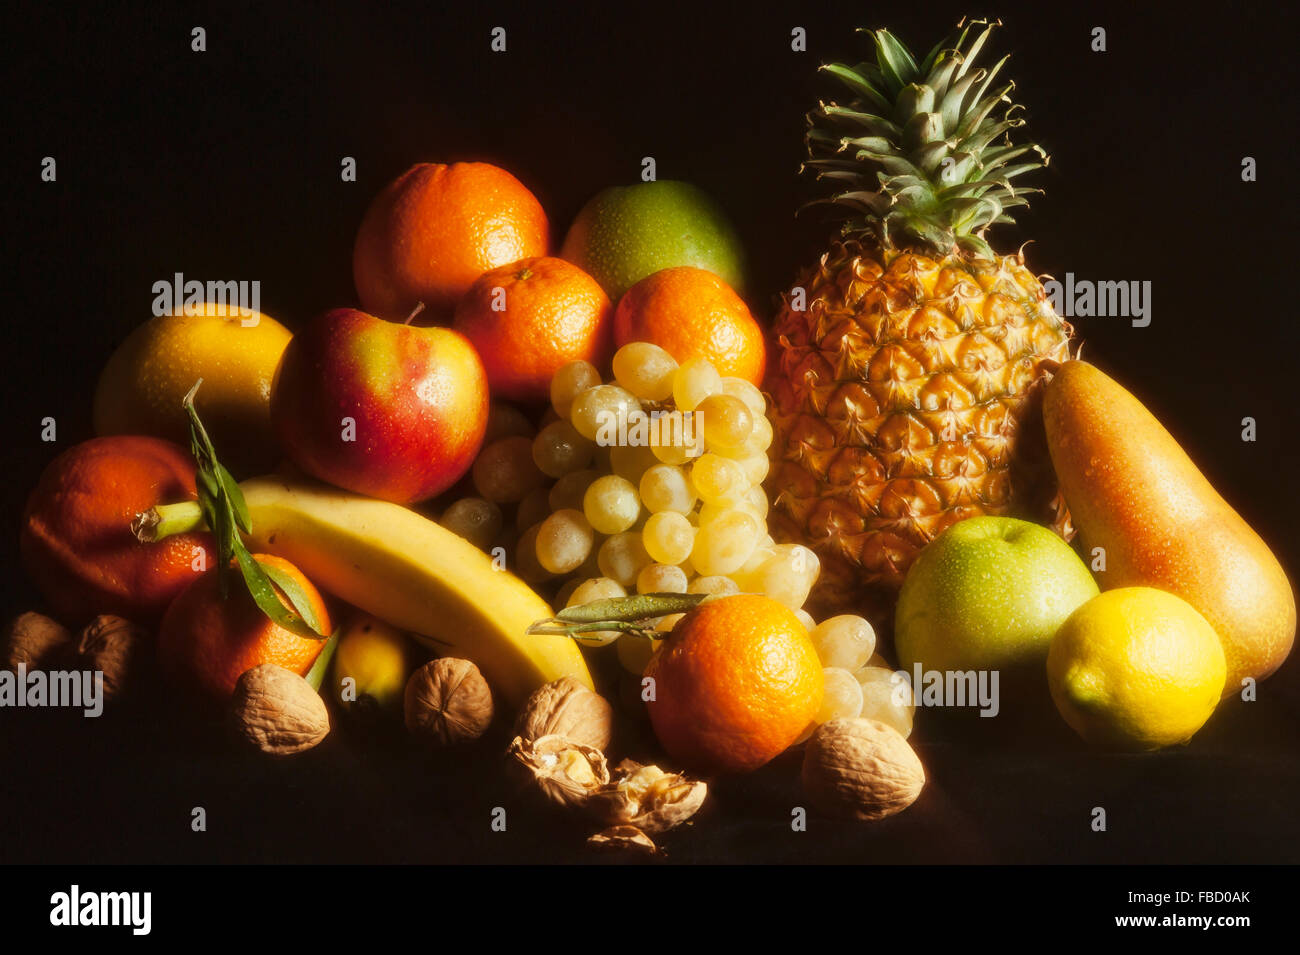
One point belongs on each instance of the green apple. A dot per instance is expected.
(988, 595)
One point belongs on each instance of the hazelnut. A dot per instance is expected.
(448, 702)
(565, 707)
(278, 711)
(861, 769)
(37, 642)
(567, 772)
(110, 645)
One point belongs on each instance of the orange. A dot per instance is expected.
(206, 642)
(691, 313)
(437, 228)
(736, 683)
(530, 317)
(76, 537)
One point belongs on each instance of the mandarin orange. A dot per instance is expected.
(691, 313)
(530, 317)
(76, 537)
(206, 642)
(437, 228)
(735, 684)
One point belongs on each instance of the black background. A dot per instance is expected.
(226, 164)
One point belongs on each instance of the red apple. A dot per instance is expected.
(392, 411)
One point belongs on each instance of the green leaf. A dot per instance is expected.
(238, 506)
(267, 598)
(316, 675)
(859, 84)
(630, 609)
(894, 60)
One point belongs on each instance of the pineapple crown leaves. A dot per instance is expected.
(922, 152)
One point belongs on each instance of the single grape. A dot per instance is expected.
(806, 619)
(845, 641)
(756, 501)
(667, 488)
(723, 545)
(534, 508)
(527, 565)
(598, 413)
(695, 381)
(668, 537)
(661, 579)
(746, 392)
(666, 623)
(787, 576)
(476, 520)
(569, 381)
(589, 590)
(634, 652)
(747, 576)
(563, 541)
(755, 467)
(889, 701)
(611, 504)
(505, 421)
(630, 461)
(622, 556)
(504, 471)
(568, 491)
(646, 370)
(841, 697)
(726, 421)
(716, 584)
(760, 439)
(717, 479)
(558, 449)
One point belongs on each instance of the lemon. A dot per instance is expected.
(376, 657)
(141, 387)
(1136, 668)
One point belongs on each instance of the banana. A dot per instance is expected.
(406, 570)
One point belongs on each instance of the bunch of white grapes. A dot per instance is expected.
(858, 681)
(670, 515)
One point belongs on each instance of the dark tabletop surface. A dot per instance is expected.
(226, 164)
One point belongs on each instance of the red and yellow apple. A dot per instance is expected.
(391, 411)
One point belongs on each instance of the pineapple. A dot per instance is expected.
(906, 395)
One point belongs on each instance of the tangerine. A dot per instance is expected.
(530, 317)
(736, 683)
(692, 313)
(76, 539)
(206, 642)
(437, 228)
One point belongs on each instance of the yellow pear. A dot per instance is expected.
(1133, 492)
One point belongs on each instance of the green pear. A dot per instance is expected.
(1134, 493)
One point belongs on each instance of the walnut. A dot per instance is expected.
(37, 642)
(112, 646)
(567, 772)
(861, 769)
(565, 707)
(278, 711)
(448, 702)
(647, 797)
(625, 839)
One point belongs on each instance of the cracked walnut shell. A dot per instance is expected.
(647, 798)
(448, 702)
(566, 771)
(566, 707)
(861, 769)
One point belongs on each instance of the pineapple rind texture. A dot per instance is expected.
(907, 399)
